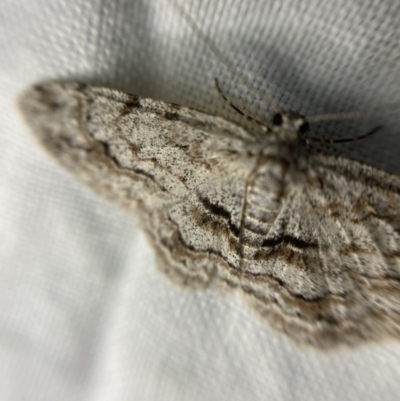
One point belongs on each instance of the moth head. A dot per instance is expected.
(290, 124)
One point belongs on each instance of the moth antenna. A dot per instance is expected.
(234, 71)
(353, 114)
(234, 107)
(328, 142)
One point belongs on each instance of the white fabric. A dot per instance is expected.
(84, 315)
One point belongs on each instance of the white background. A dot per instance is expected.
(84, 315)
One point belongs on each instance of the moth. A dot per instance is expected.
(311, 240)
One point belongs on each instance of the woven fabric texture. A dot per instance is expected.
(84, 315)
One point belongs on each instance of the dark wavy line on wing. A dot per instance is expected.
(288, 240)
(219, 211)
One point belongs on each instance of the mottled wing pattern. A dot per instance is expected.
(315, 251)
(325, 268)
(184, 170)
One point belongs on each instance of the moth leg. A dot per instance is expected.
(248, 181)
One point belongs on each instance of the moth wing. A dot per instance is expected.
(327, 269)
(182, 170)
